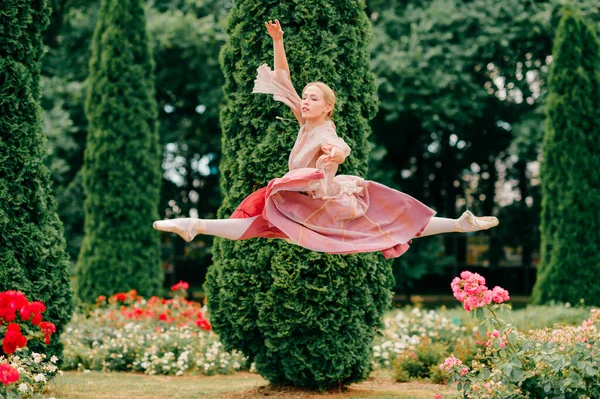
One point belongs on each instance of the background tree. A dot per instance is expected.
(32, 247)
(121, 175)
(186, 37)
(307, 319)
(570, 263)
(461, 87)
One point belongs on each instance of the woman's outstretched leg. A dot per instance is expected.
(188, 228)
(464, 224)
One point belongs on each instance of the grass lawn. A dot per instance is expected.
(96, 385)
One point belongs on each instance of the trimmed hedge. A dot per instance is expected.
(569, 269)
(121, 172)
(307, 319)
(32, 247)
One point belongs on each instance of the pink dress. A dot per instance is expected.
(313, 207)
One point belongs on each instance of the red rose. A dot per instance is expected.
(120, 297)
(181, 285)
(48, 329)
(8, 375)
(203, 324)
(36, 308)
(10, 303)
(13, 339)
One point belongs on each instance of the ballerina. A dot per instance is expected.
(313, 207)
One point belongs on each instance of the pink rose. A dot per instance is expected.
(500, 295)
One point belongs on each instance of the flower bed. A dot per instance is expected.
(406, 329)
(127, 332)
(172, 336)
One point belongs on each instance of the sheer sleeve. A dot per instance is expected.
(330, 137)
(279, 85)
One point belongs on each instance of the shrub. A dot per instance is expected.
(422, 361)
(417, 363)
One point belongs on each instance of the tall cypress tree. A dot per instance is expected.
(307, 319)
(121, 176)
(570, 265)
(32, 248)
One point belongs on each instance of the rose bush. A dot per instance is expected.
(547, 363)
(23, 374)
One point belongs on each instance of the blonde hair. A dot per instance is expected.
(328, 94)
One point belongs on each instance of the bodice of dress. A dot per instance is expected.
(307, 152)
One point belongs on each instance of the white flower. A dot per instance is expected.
(50, 367)
(40, 378)
(54, 359)
(23, 387)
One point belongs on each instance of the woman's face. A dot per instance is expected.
(314, 104)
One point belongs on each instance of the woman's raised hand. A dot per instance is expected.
(332, 154)
(274, 29)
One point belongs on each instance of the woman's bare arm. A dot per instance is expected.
(280, 61)
(276, 33)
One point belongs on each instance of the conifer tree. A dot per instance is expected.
(121, 172)
(32, 247)
(307, 319)
(570, 261)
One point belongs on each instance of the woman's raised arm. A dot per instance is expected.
(276, 33)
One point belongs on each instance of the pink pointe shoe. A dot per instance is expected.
(185, 228)
(468, 222)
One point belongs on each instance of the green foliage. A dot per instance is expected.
(306, 319)
(462, 84)
(121, 175)
(420, 362)
(440, 111)
(32, 247)
(570, 261)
